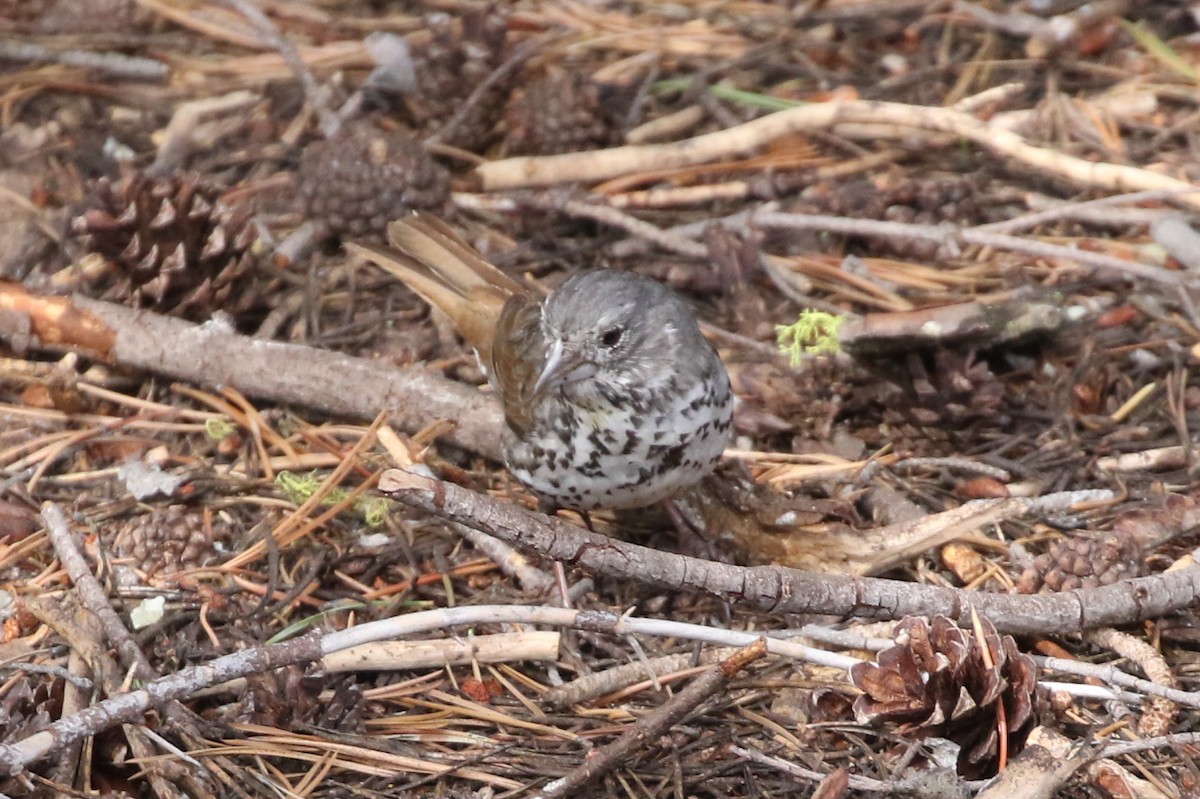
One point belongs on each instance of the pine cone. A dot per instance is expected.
(22, 12)
(168, 540)
(291, 696)
(930, 201)
(173, 245)
(92, 16)
(951, 391)
(1081, 563)
(559, 113)
(936, 682)
(363, 177)
(460, 55)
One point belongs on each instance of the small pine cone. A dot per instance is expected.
(363, 177)
(559, 113)
(950, 389)
(172, 244)
(936, 682)
(459, 55)
(92, 16)
(931, 201)
(1081, 563)
(169, 539)
(22, 12)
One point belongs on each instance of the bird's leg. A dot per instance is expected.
(692, 539)
(550, 509)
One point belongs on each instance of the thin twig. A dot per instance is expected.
(115, 65)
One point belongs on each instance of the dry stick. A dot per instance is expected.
(618, 678)
(1160, 711)
(311, 648)
(92, 593)
(96, 600)
(787, 767)
(129, 707)
(115, 65)
(598, 211)
(945, 235)
(1071, 210)
(600, 165)
(1033, 774)
(653, 724)
(1100, 770)
(782, 590)
(212, 355)
(295, 62)
(85, 637)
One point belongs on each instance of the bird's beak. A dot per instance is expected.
(562, 366)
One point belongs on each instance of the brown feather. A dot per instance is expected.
(517, 359)
(448, 274)
(494, 313)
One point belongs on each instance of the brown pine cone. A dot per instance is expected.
(364, 177)
(170, 539)
(1081, 563)
(936, 681)
(943, 199)
(22, 12)
(458, 56)
(946, 388)
(559, 113)
(172, 244)
(92, 16)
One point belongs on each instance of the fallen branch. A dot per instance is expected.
(781, 590)
(213, 355)
(899, 119)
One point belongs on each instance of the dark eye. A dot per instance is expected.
(611, 337)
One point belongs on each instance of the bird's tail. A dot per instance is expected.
(447, 272)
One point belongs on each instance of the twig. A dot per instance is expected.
(787, 767)
(952, 464)
(951, 238)
(116, 65)
(600, 165)
(1111, 675)
(653, 724)
(192, 121)
(93, 595)
(129, 708)
(510, 560)
(1161, 710)
(525, 51)
(1034, 774)
(330, 122)
(211, 355)
(596, 211)
(1103, 772)
(782, 590)
(1076, 210)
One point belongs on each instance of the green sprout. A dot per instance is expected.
(219, 428)
(813, 333)
(299, 487)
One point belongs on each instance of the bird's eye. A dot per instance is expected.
(611, 337)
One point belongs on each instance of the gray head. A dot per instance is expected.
(609, 331)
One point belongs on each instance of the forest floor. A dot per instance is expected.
(945, 250)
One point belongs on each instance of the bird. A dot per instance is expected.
(613, 399)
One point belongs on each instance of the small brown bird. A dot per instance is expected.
(612, 397)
